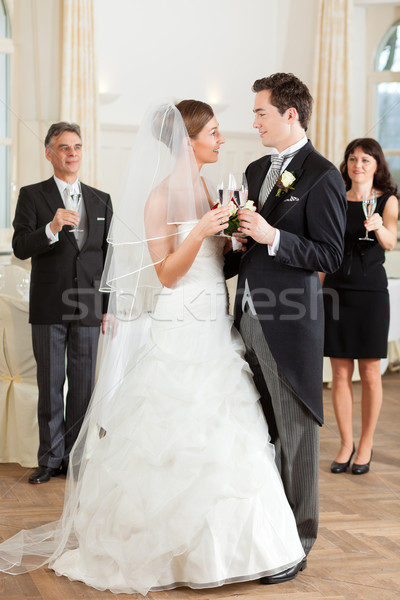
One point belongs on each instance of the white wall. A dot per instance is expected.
(211, 50)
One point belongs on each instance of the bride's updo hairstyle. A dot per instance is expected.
(195, 115)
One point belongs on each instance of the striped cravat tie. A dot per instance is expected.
(272, 176)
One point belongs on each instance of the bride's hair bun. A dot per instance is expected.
(195, 114)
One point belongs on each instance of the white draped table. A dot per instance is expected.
(19, 436)
(394, 327)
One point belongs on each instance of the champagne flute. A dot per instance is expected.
(227, 189)
(223, 198)
(234, 189)
(368, 205)
(243, 191)
(241, 195)
(72, 203)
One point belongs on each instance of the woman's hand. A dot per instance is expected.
(385, 227)
(374, 222)
(213, 222)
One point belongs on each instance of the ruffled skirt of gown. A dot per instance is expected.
(183, 488)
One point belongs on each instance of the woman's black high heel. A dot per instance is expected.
(361, 469)
(337, 467)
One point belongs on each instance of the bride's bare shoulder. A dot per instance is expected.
(158, 198)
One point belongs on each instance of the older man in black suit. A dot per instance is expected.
(297, 231)
(68, 249)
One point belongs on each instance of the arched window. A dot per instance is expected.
(387, 97)
(6, 49)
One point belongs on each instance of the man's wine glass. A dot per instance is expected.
(243, 191)
(72, 202)
(368, 205)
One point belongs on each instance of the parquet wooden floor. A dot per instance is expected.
(356, 557)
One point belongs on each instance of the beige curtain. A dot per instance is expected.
(79, 79)
(331, 115)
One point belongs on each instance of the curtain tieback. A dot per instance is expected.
(11, 378)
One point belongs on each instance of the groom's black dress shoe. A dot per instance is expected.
(284, 575)
(43, 474)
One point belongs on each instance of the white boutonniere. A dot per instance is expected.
(284, 183)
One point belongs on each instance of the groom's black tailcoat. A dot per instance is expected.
(285, 288)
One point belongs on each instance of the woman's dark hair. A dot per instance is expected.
(195, 115)
(383, 181)
(287, 91)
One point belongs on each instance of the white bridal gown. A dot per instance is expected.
(184, 490)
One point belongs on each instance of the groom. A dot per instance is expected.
(297, 231)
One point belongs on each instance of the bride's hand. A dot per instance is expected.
(213, 222)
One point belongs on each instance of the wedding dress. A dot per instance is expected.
(184, 490)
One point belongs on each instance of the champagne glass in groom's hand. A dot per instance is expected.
(243, 192)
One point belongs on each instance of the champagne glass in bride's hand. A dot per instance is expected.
(368, 205)
(226, 189)
(228, 195)
(72, 202)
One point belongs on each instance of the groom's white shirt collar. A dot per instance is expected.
(290, 150)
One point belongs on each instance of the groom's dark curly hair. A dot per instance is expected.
(287, 91)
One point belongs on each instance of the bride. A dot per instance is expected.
(172, 481)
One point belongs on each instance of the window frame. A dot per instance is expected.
(376, 77)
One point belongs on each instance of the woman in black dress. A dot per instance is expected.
(357, 302)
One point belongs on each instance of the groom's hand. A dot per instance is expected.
(237, 243)
(253, 224)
